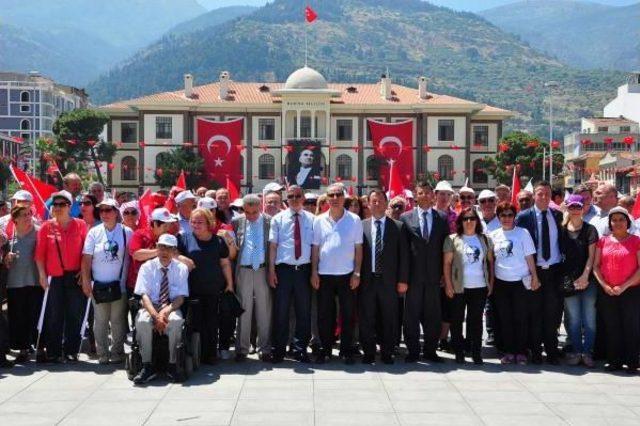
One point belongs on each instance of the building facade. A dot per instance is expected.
(627, 101)
(30, 104)
(451, 135)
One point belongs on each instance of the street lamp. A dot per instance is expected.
(550, 85)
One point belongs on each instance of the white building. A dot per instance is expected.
(627, 103)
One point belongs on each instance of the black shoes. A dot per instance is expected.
(433, 357)
(5, 363)
(368, 359)
(411, 358)
(266, 357)
(241, 357)
(460, 358)
(302, 357)
(71, 358)
(145, 375)
(536, 358)
(349, 360)
(387, 359)
(277, 358)
(613, 367)
(477, 359)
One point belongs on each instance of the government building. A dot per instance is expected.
(451, 135)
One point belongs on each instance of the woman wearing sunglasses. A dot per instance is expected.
(89, 210)
(130, 214)
(468, 277)
(515, 275)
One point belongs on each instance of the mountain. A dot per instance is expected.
(212, 18)
(475, 5)
(217, 4)
(76, 40)
(582, 34)
(355, 41)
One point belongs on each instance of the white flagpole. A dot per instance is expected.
(84, 320)
(41, 317)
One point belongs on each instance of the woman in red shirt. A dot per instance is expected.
(616, 269)
(58, 257)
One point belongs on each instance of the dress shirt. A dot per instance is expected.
(185, 225)
(282, 233)
(374, 234)
(150, 278)
(337, 241)
(257, 234)
(553, 239)
(591, 214)
(429, 212)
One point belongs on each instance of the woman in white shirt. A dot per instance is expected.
(104, 262)
(515, 273)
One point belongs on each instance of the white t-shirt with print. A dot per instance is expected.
(108, 249)
(510, 249)
(473, 262)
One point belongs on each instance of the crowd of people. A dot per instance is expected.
(311, 270)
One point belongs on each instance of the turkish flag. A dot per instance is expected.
(396, 187)
(309, 14)
(181, 185)
(393, 142)
(145, 204)
(515, 188)
(219, 143)
(40, 191)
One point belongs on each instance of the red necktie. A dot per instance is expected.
(296, 236)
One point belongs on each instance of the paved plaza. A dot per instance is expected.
(330, 394)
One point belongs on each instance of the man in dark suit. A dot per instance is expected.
(385, 274)
(426, 231)
(544, 225)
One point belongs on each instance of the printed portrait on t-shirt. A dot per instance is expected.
(111, 251)
(504, 248)
(472, 253)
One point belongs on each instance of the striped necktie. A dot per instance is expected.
(164, 287)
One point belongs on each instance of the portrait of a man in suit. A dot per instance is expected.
(304, 166)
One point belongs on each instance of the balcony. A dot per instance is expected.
(576, 144)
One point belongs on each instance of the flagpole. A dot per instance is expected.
(306, 30)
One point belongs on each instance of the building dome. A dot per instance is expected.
(306, 79)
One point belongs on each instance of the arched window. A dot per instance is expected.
(479, 174)
(129, 168)
(25, 125)
(266, 167)
(445, 167)
(373, 168)
(25, 97)
(344, 166)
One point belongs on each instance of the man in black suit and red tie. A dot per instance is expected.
(385, 274)
(426, 232)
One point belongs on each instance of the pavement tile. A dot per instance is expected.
(449, 419)
(271, 405)
(35, 412)
(591, 410)
(345, 403)
(431, 406)
(96, 412)
(348, 385)
(189, 417)
(509, 407)
(356, 418)
(521, 420)
(424, 395)
(273, 418)
(575, 398)
(489, 385)
(502, 396)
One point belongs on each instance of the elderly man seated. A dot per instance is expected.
(163, 284)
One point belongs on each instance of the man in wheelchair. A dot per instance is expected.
(163, 286)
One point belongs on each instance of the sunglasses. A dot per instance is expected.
(575, 207)
(60, 204)
(294, 196)
(87, 203)
(507, 215)
(469, 219)
(467, 198)
(397, 207)
(488, 200)
(335, 195)
(310, 203)
(130, 212)
(106, 210)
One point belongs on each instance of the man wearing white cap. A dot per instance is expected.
(186, 202)
(163, 284)
(310, 202)
(467, 197)
(488, 201)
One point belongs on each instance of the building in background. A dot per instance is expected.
(627, 103)
(451, 135)
(30, 104)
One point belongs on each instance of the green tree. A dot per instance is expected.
(77, 141)
(170, 164)
(5, 173)
(524, 151)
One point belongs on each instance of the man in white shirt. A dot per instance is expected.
(336, 258)
(290, 241)
(487, 200)
(163, 284)
(186, 202)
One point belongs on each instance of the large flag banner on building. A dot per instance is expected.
(303, 163)
(219, 143)
(393, 142)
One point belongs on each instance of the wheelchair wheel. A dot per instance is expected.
(195, 350)
(133, 364)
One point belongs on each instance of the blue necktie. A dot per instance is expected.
(425, 226)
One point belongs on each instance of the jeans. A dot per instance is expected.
(580, 316)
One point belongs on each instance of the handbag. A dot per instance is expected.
(230, 305)
(568, 287)
(107, 292)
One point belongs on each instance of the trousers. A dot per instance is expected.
(144, 334)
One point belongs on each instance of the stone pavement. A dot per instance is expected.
(330, 394)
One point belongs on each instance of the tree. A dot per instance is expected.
(77, 141)
(525, 152)
(170, 164)
(5, 173)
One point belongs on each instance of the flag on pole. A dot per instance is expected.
(515, 188)
(396, 187)
(146, 207)
(635, 212)
(233, 189)
(180, 186)
(309, 14)
(40, 191)
(182, 181)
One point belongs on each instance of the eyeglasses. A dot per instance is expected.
(335, 195)
(397, 207)
(507, 215)
(294, 196)
(106, 210)
(87, 203)
(469, 219)
(60, 204)
(310, 203)
(487, 200)
(467, 198)
(130, 212)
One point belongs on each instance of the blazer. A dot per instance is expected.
(527, 219)
(425, 256)
(395, 253)
(239, 224)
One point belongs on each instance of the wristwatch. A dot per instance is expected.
(357, 274)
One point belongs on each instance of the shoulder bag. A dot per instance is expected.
(107, 292)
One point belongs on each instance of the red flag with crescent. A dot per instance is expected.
(393, 142)
(219, 143)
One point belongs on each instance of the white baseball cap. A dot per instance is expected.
(237, 202)
(486, 193)
(109, 202)
(310, 196)
(272, 186)
(184, 196)
(167, 240)
(443, 185)
(22, 195)
(163, 215)
(63, 194)
(207, 203)
(466, 189)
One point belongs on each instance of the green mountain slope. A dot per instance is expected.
(212, 18)
(582, 34)
(357, 40)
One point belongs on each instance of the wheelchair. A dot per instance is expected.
(187, 351)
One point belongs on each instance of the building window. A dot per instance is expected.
(479, 173)
(305, 127)
(25, 97)
(25, 125)
(445, 130)
(481, 136)
(129, 132)
(603, 129)
(163, 128)
(344, 166)
(344, 130)
(129, 168)
(445, 167)
(266, 167)
(625, 129)
(373, 168)
(267, 129)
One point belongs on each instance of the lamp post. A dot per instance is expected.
(551, 85)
